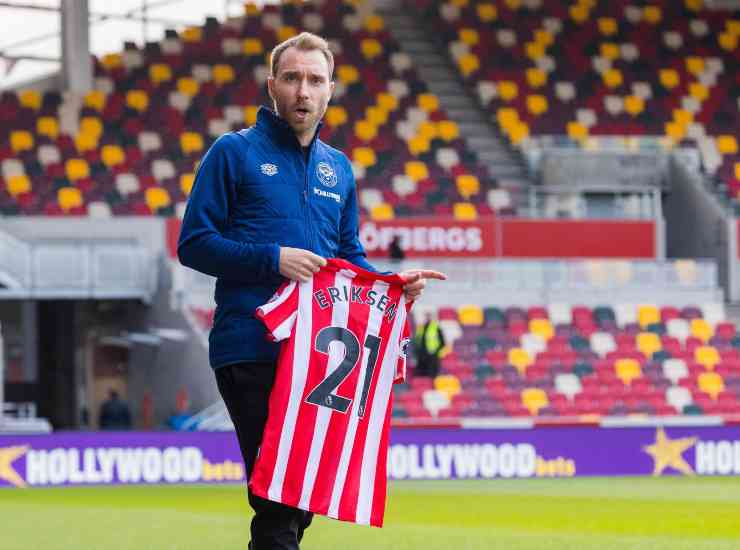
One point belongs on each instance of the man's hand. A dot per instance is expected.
(416, 281)
(297, 264)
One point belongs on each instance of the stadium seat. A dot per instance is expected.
(627, 370)
(534, 399)
(711, 383)
(69, 198)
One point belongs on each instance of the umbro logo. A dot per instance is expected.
(269, 169)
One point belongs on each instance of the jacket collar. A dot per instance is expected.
(279, 130)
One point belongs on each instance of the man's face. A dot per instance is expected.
(301, 90)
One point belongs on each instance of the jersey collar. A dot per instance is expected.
(279, 130)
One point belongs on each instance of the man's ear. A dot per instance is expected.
(270, 83)
(331, 90)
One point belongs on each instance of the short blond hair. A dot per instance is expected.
(306, 42)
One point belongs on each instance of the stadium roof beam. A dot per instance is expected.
(77, 73)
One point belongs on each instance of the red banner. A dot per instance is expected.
(431, 237)
(503, 238)
(578, 239)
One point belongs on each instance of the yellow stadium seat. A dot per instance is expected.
(607, 25)
(191, 34)
(252, 46)
(612, 78)
(536, 78)
(460, 3)
(470, 315)
(250, 115)
(669, 78)
(507, 90)
(468, 36)
(652, 14)
(448, 130)
(467, 185)
(188, 86)
(698, 91)
(77, 169)
(186, 183)
(579, 13)
(464, 211)
(577, 131)
(86, 142)
(374, 23)
(537, 104)
(534, 50)
(513, 4)
(542, 328)
(694, 5)
(518, 132)
(365, 130)
(543, 37)
(675, 131)
(733, 26)
(648, 343)
(468, 64)
(727, 41)
(30, 99)
(370, 48)
(519, 359)
(47, 126)
(427, 129)
(91, 125)
(21, 140)
(416, 170)
(335, 116)
(18, 184)
(348, 74)
(111, 61)
(286, 32)
(156, 198)
(387, 101)
(647, 315)
(695, 65)
(419, 145)
(727, 144)
(683, 117)
(737, 170)
(69, 197)
(137, 99)
(711, 383)
(609, 50)
(534, 399)
(427, 102)
(486, 12)
(191, 142)
(707, 356)
(364, 156)
(222, 73)
(634, 105)
(448, 384)
(382, 212)
(376, 115)
(95, 99)
(627, 370)
(112, 155)
(159, 72)
(701, 329)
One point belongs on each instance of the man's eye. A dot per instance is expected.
(316, 80)
(290, 77)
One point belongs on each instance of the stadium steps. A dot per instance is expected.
(503, 163)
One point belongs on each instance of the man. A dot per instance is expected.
(114, 413)
(271, 202)
(429, 342)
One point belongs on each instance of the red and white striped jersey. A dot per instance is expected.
(325, 443)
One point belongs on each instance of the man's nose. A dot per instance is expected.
(302, 88)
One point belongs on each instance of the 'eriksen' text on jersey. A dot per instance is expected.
(356, 295)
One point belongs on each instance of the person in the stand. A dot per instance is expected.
(114, 413)
(270, 203)
(428, 344)
(395, 252)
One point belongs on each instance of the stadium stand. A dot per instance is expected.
(558, 360)
(660, 74)
(131, 146)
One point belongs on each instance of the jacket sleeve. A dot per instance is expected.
(350, 247)
(202, 245)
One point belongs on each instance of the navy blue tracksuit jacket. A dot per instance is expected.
(253, 193)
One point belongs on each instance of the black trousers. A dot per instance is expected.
(245, 388)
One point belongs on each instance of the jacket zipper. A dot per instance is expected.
(306, 164)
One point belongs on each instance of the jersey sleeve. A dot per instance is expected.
(402, 349)
(280, 312)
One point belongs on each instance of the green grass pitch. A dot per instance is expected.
(572, 514)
